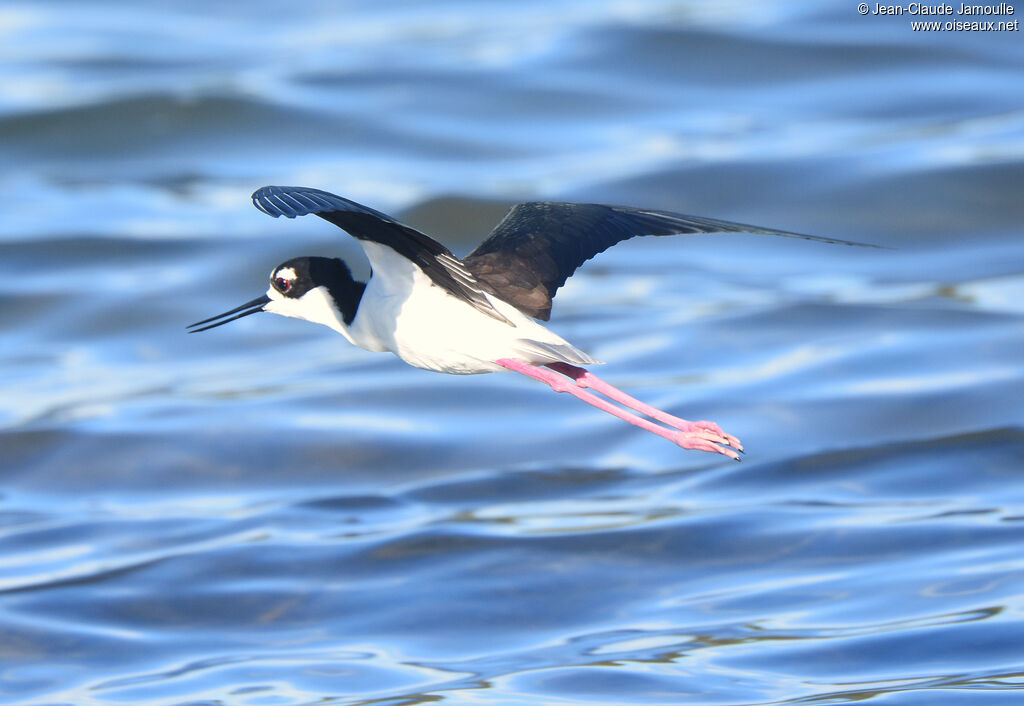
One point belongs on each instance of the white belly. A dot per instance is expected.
(428, 328)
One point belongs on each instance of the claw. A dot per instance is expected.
(710, 428)
(704, 441)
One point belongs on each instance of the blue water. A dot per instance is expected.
(264, 515)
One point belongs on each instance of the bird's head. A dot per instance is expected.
(317, 289)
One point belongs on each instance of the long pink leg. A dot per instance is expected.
(694, 439)
(586, 379)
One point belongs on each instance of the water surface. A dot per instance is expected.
(264, 515)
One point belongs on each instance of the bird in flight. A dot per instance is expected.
(479, 314)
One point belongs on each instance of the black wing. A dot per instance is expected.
(537, 246)
(437, 262)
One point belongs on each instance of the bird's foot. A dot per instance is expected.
(707, 436)
(709, 430)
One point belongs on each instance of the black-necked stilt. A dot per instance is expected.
(476, 315)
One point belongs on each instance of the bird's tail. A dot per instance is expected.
(542, 353)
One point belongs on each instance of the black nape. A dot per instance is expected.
(346, 291)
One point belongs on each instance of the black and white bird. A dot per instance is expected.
(479, 314)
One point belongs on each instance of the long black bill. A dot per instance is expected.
(253, 307)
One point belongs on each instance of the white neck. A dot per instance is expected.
(317, 305)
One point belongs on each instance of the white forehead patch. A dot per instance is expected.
(285, 272)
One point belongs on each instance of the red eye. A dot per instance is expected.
(282, 285)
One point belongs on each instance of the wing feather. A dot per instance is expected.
(538, 245)
(365, 224)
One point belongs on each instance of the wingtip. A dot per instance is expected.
(259, 200)
(294, 201)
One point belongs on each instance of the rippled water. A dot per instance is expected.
(264, 515)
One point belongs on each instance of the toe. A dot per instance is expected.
(699, 441)
(727, 439)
